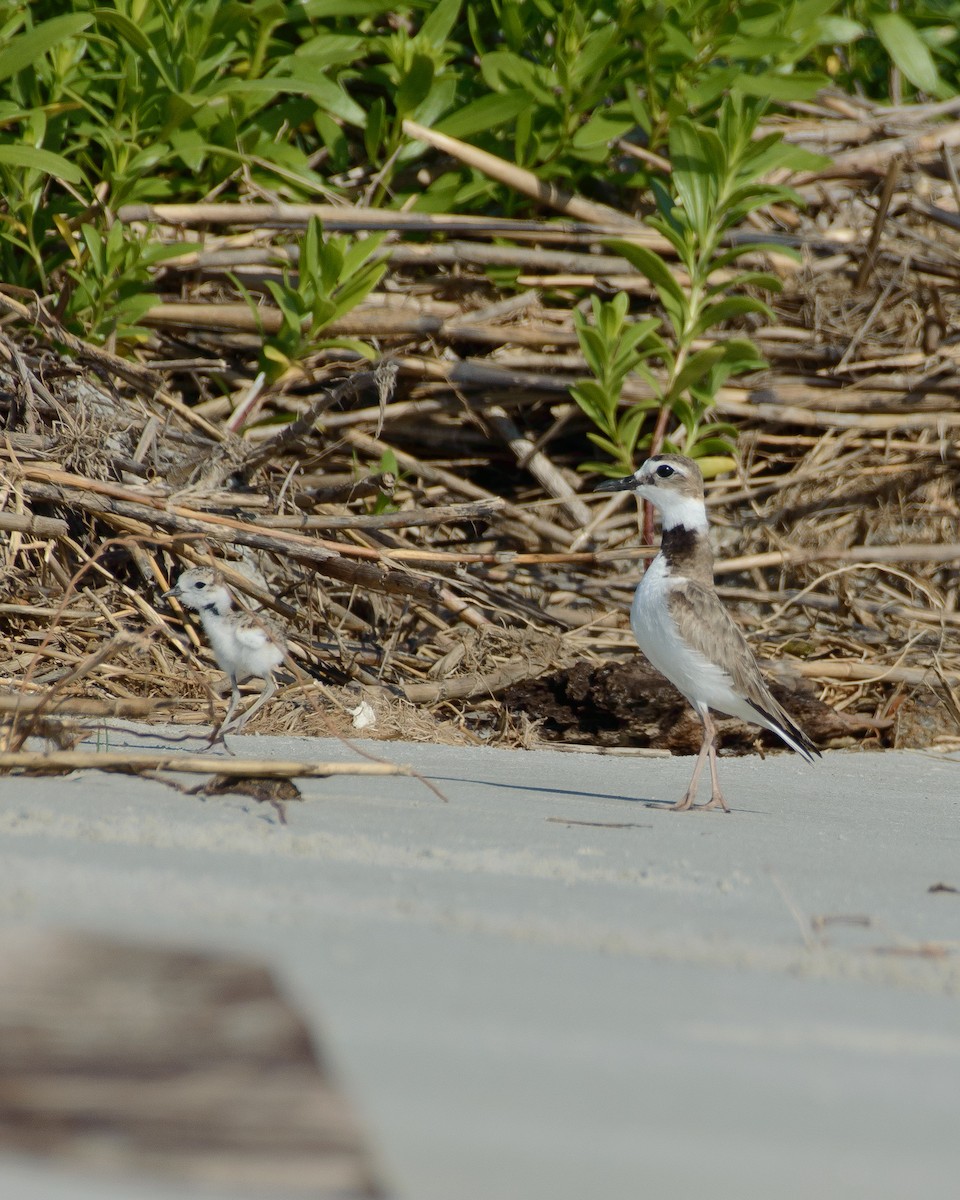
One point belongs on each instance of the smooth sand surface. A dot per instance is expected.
(548, 988)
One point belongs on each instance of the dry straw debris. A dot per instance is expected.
(420, 527)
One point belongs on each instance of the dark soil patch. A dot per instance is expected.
(630, 704)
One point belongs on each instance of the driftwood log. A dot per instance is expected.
(130, 1059)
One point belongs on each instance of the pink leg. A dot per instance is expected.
(216, 734)
(705, 747)
(269, 687)
(716, 795)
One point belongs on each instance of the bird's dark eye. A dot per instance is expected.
(199, 584)
(665, 471)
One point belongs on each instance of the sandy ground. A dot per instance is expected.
(550, 986)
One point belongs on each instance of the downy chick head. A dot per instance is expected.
(201, 588)
(672, 483)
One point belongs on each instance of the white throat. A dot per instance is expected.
(676, 510)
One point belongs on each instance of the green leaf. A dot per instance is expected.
(748, 198)
(629, 426)
(708, 87)
(696, 367)
(911, 54)
(604, 444)
(609, 317)
(356, 287)
(415, 85)
(436, 103)
(593, 347)
(329, 96)
(333, 139)
(329, 50)
(364, 349)
(742, 279)
(738, 356)
(650, 264)
(286, 302)
(94, 244)
(637, 341)
(24, 50)
(191, 146)
(697, 160)
(36, 159)
(438, 25)
(713, 457)
(684, 414)
(600, 130)
(594, 401)
(614, 470)
(726, 310)
(776, 86)
(129, 30)
(653, 383)
(799, 158)
(362, 251)
(503, 70)
(718, 428)
(376, 123)
(347, 8)
(836, 31)
(766, 154)
(675, 40)
(486, 113)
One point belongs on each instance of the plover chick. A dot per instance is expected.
(682, 626)
(244, 644)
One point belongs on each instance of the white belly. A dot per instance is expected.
(240, 651)
(703, 683)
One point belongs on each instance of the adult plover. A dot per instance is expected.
(683, 628)
(244, 644)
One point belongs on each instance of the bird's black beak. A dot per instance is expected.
(627, 484)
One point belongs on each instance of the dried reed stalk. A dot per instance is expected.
(57, 762)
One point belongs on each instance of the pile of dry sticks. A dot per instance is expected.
(420, 527)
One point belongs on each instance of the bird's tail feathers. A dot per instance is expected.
(783, 725)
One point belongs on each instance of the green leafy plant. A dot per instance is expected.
(334, 276)
(565, 81)
(559, 71)
(414, 75)
(717, 179)
(890, 51)
(111, 287)
(112, 102)
(31, 162)
(614, 346)
(144, 101)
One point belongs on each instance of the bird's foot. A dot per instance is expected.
(715, 801)
(217, 738)
(685, 804)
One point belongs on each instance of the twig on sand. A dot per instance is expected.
(60, 761)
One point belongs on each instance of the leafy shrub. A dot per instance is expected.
(717, 179)
(333, 277)
(146, 100)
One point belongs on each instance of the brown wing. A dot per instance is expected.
(706, 625)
